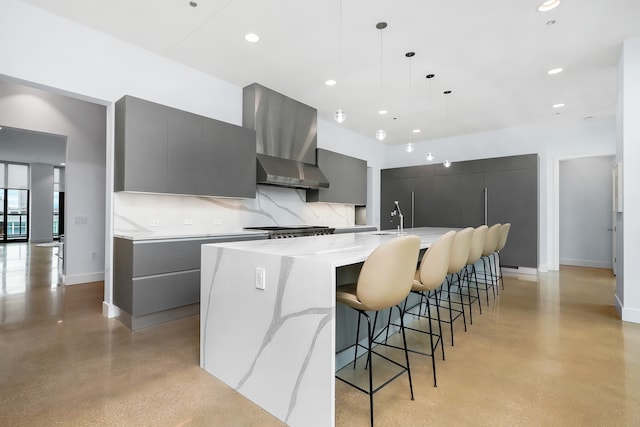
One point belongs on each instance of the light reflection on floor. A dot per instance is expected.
(23, 265)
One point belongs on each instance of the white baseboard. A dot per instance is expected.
(586, 263)
(110, 310)
(631, 315)
(77, 279)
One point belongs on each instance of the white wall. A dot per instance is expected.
(83, 124)
(586, 211)
(41, 203)
(628, 153)
(553, 143)
(44, 50)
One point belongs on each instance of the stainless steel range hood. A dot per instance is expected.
(286, 138)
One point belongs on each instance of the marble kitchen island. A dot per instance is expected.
(276, 346)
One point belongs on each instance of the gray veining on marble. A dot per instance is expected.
(158, 214)
(283, 334)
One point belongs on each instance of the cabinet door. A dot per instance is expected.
(513, 197)
(472, 199)
(446, 201)
(141, 146)
(396, 190)
(424, 208)
(229, 160)
(347, 179)
(184, 164)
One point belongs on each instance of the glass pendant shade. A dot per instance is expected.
(380, 134)
(430, 156)
(447, 163)
(340, 116)
(410, 147)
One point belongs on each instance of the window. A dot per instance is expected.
(14, 200)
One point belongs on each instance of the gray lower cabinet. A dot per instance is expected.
(156, 281)
(347, 179)
(470, 193)
(159, 149)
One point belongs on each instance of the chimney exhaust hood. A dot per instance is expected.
(286, 138)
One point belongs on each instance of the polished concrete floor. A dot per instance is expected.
(549, 351)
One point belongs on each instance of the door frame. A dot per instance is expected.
(555, 250)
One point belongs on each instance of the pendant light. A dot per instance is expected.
(429, 77)
(447, 163)
(410, 145)
(380, 133)
(340, 115)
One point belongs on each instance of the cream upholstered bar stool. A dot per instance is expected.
(490, 244)
(475, 253)
(459, 257)
(384, 281)
(502, 241)
(454, 303)
(432, 272)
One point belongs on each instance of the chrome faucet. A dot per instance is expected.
(396, 211)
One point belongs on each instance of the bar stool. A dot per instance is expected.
(384, 281)
(502, 241)
(475, 252)
(459, 257)
(490, 244)
(432, 272)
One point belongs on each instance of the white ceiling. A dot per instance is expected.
(493, 55)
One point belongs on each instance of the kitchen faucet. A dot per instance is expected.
(396, 211)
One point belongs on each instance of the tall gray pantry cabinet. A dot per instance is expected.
(469, 193)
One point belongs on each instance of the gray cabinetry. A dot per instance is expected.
(347, 179)
(229, 167)
(503, 189)
(156, 281)
(185, 152)
(140, 166)
(159, 149)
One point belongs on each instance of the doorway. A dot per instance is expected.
(585, 212)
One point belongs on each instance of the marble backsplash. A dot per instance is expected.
(166, 215)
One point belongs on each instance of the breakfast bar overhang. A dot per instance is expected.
(276, 346)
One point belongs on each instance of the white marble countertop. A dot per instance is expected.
(268, 316)
(223, 234)
(336, 249)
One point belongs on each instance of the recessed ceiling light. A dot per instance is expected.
(330, 82)
(252, 38)
(551, 22)
(558, 105)
(193, 4)
(63, 164)
(382, 111)
(548, 5)
(555, 70)
(416, 131)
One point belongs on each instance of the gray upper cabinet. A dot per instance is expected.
(159, 149)
(140, 146)
(229, 167)
(347, 179)
(185, 152)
